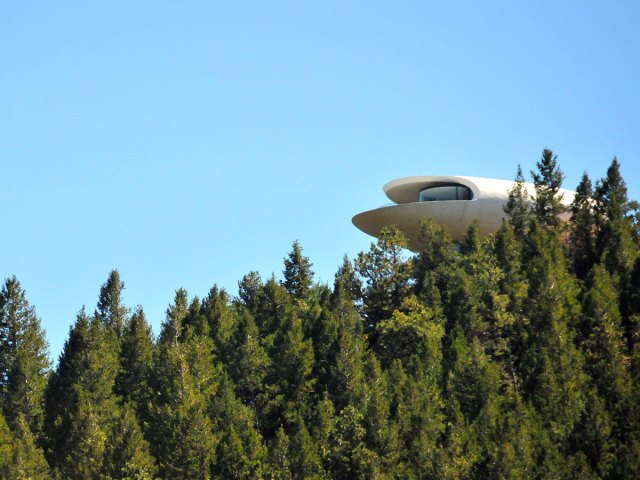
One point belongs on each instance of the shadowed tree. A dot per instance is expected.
(133, 383)
(81, 405)
(23, 357)
(582, 229)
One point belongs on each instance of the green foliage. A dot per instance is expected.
(510, 356)
(20, 457)
(583, 229)
(298, 275)
(518, 206)
(111, 310)
(23, 357)
(386, 273)
(547, 181)
(614, 242)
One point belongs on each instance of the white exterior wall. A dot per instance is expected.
(486, 206)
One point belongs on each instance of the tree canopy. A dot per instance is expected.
(509, 356)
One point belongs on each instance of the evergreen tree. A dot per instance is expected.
(346, 284)
(134, 380)
(20, 457)
(518, 206)
(215, 308)
(290, 381)
(127, 452)
(386, 273)
(80, 403)
(298, 275)
(173, 327)
(303, 455)
(249, 362)
(547, 181)
(582, 230)
(23, 357)
(513, 284)
(240, 452)
(111, 310)
(186, 379)
(615, 242)
(279, 468)
(250, 291)
(552, 367)
(181, 433)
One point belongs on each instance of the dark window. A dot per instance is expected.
(445, 192)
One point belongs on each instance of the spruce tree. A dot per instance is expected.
(134, 379)
(111, 309)
(249, 362)
(614, 242)
(518, 206)
(219, 317)
(240, 452)
(278, 462)
(186, 379)
(20, 456)
(249, 291)
(547, 181)
(386, 273)
(552, 367)
(24, 362)
(127, 453)
(290, 381)
(81, 405)
(298, 275)
(582, 229)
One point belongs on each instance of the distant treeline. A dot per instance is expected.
(513, 356)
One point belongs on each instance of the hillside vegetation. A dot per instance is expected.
(514, 356)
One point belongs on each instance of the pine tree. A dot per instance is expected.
(518, 206)
(173, 327)
(249, 362)
(180, 432)
(278, 466)
(133, 383)
(20, 457)
(185, 380)
(582, 230)
(298, 275)
(24, 362)
(547, 181)
(81, 405)
(290, 380)
(614, 242)
(219, 316)
(6, 449)
(127, 452)
(111, 309)
(250, 291)
(346, 284)
(240, 452)
(303, 455)
(552, 367)
(386, 273)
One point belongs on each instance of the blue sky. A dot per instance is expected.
(188, 143)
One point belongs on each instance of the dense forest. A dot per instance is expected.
(511, 356)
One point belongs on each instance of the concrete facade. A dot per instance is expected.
(487, 199)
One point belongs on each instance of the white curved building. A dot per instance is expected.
(452, 201)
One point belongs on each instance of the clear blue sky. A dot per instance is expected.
(188, 143)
